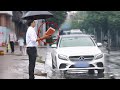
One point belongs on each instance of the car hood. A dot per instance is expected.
(71, 51)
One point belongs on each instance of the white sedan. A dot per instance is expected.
(76, 54)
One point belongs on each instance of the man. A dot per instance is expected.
(31, 44)
(12, 39)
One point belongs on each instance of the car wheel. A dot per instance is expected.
(53, 67)
(100, 71)
(66, 75)
(55, 63)
(91, 72)
(101, 75)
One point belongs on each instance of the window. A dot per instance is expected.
(76, 41)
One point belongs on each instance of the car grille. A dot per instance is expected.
(77, 58)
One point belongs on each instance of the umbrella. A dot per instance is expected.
(34, 15)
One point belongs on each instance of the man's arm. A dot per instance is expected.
(44, 37)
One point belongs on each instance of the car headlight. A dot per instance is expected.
(98, 56)
(63, 57)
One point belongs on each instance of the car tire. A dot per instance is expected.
(101, 75)
(100, 71)
(56, 63)
(91, 71)
(53, 67)
(64, 75)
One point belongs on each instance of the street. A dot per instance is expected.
(16, 66)
(80, 35)
(112, 66)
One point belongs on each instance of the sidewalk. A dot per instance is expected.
(15, 66)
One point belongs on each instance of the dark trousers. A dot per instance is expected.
(12, 46)
(32, 52)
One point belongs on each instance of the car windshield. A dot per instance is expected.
(76, 33)
(76, 41)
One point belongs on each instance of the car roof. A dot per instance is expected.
(75, 30)
(72, 35)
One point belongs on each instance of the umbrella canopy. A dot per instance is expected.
(34, 15)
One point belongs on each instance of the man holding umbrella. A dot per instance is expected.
(31, 36)
(31, 44)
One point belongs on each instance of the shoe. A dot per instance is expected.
(12, 52)
(32, 77)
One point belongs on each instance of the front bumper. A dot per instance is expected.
(81, 70)
(69, 66)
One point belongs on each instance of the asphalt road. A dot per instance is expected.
(112, 68)
(16, 67)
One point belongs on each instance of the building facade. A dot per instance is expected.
(11, 21)
(6, 25)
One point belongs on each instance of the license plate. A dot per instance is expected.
(81, 64)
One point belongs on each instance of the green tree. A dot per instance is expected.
(105, 21)
(77, 18)
(59, 17)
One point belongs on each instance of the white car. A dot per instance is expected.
(77, 54)
(76, 31)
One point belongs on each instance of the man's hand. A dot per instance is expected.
(44, 37)
(38, 39)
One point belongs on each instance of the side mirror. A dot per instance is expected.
(54, 46)
(99, 44)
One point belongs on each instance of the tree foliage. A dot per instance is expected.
(107, 20)
(59, 17)
(101, 24)
(77, 19)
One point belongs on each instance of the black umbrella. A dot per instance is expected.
(34, 15)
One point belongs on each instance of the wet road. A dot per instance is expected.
(16, 67)
(112, 68)
(113, 65)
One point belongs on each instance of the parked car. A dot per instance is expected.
(76, 31)
(77, 54)
(66, 32)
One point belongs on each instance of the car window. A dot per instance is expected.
(76, 41)
(76, 33)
